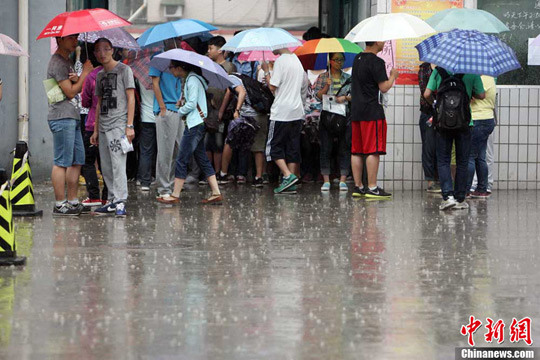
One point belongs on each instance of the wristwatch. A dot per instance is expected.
(130, 126)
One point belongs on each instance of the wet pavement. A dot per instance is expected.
(307, 276)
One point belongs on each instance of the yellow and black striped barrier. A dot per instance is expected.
(22, 190)
(8, 251)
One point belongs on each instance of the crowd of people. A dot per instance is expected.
(320, 126)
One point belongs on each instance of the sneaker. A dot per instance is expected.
(91, 202)
(325, 186)
(145, 188)
(203, 182)
(138, 183)
(120, 210)
(286, 183)
(359, 192)
(266, 179)
(66, 209)
(291, 190)
(161, 195)
(107, 209)
(343, 187)
(378, 193)
(190, 179)
(461, 206)
(222, 180)
(434, 189)
(480, 195)
(448, 203)
(258, 183)
(240, 179)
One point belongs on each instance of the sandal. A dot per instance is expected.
(213, 200)
(169, 200)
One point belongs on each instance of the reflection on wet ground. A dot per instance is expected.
(307, 276)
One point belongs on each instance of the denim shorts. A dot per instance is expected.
(67, 142)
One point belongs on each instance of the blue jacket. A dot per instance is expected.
(195, 93)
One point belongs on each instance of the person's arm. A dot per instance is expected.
(384, 86)
(267, 76)
(478, 89)
(322, 85)
(88, 92)
(431, 87)
(191, 95)
(130, 132)
(241, 97)
(71, 89)
(224, 104)
(95, 135)
(159, 96)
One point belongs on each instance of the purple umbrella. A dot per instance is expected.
(213, 72)
(119, 38)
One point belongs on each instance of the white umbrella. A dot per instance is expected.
(8, 46)
(385, 27)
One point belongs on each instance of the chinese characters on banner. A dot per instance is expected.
(405, 53)
(518, 330)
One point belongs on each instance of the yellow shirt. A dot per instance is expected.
(483, 109)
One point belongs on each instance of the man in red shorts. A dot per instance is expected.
(368, 122)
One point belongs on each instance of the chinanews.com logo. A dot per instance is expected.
(518, 333)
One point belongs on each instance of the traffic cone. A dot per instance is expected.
(22, 190)
(8, 253)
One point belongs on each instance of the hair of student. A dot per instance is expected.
(103, 40)
(370, 43)
(188, 68)
(217, 41)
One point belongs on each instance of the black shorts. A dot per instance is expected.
(284, 141)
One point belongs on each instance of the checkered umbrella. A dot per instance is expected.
(468, 52)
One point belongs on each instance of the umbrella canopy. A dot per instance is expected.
(139, 62)
(385, 27)
(213, 72)
(259, 55)
(536, 41)
(119, 38)
(184, 28)
(80, 21)
(466, 19)
(314, 53)
(468, 52)
(8, 46)
(268, 39)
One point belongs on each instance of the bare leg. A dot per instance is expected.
(282, 165)
(372, 165)
(178, 186)
(212, 181)
(259, 163)
(226, 158)
(58, 178)
(217, 161)
(357, 167)
(72, 180)
(326, 178)
(294, 168)
(343, 178)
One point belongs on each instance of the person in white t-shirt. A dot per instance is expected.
(290, 85)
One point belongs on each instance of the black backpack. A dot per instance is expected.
(452, 110)
(260, 97)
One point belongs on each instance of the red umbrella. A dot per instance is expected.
(81, 21)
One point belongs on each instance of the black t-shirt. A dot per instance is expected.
(368, 71)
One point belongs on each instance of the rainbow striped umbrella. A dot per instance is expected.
(314, 53)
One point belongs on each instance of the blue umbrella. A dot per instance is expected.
(466, 19)
(213, 72)
(185, 28)
(261, 39)
(468, 52)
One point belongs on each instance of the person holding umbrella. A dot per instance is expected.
(193, 108)
(65, 125)
(369, 80)
(334, 82)
(115, 89)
